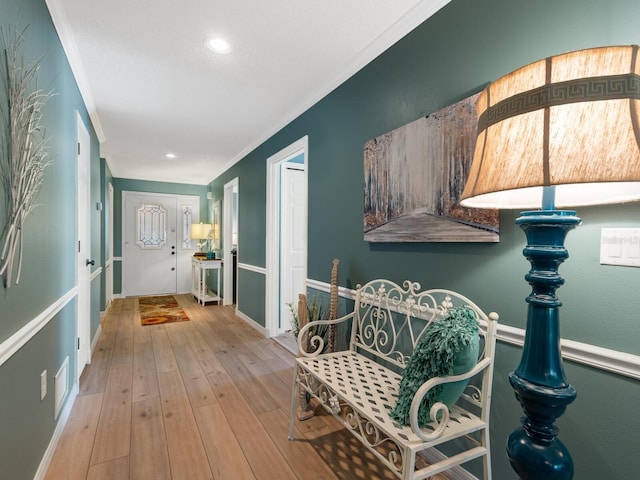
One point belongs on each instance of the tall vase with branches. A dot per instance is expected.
(23, 153)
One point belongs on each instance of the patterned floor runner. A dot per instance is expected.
(157, 310)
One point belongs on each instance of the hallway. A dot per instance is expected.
(203, 399)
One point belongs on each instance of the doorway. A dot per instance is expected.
(157, 249)
(286, 256)
(230, 242)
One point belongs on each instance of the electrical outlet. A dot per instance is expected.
(43, 384)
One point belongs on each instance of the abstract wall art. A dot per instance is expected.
(414, 176)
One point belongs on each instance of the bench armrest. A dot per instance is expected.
(439, 411)
(316, 342)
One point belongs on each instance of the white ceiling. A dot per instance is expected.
(152, 87)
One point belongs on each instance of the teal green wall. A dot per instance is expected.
(251, 305)
(48, 274)
(124, 184)
(451, 56)
(27, 423)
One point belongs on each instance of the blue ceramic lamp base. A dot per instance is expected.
(539, 381)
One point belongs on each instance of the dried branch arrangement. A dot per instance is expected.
(23, 153)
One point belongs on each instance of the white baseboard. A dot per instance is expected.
(94, 342)
(57, 433)
(252, 323)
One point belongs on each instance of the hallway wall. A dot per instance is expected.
(449, 57)
(38, 316)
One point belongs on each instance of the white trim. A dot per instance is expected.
(108, 283)
(16, 341)
(70, 47)
(227, 241)
(252, 323)
(621, 363)
(252, 268)
(96, 337)
(116, 259)
(57, 433)
(326, 287)
(95, 274)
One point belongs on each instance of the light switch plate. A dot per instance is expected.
(620, 246)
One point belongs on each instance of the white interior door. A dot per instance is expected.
(83, 259)
(278, 318)
(150, 247)
(293, 240)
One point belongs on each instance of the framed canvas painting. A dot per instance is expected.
(414, 176)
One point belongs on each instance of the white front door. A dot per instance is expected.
(293, 240)
(157, 249)
(83, 259)
(150, 245)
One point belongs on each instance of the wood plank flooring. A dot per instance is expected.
(204, 399)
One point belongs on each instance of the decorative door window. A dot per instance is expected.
(215, 225)
(151, 226)
(187, 220)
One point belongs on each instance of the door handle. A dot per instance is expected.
(89, 262)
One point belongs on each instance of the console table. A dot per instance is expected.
(199, 289)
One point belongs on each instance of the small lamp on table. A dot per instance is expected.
(200, 232)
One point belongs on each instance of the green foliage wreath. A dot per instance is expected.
(449, 347)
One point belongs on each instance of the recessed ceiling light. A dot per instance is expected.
(218, 45)
(170, 155)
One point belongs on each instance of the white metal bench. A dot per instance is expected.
(359, 386)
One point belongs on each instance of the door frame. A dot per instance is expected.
(227, 240)
(273, 221)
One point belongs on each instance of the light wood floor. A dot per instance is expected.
(203, 399)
